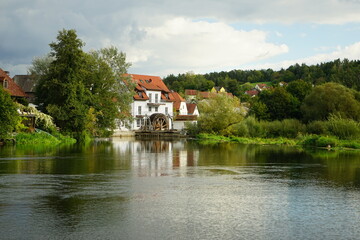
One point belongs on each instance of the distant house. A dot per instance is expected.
(261, 86)
(184, 112)
(17, 94)
(27, 84)
(10, 86)
(218, 90)
(191, 95)
(252, 93)
(283, 84)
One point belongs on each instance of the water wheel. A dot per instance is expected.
(159, 122)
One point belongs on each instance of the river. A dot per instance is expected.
(131, 189)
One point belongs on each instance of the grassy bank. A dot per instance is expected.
(42, 138)
(305, 141)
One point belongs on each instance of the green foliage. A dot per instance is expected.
(219, 113)
(299, 89)
(279, 103)
(317, 127)
(42, 138)
(42, 120)
(84, 93)
(9, 117)
(192, 129)
(343, 128)
(319, 141)
(330, 98)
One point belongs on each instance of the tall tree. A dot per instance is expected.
(84, 92)
(62, 92)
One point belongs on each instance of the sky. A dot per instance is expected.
(162, 37)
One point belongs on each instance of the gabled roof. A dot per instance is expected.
(149, 82)
(252, 93)
(177, 100)
(12, 88)
(25, 82)
(191, 108)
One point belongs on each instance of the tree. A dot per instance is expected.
(61, 92)
(84, 92)
(279, 105)
(219, 113)
(299, 89)
(331, 98)
(40, 67)
(9, 116)
(110, 96)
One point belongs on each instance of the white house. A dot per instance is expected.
(154, 104)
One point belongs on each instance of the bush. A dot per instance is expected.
(241, 129)
(192, 129)
(317, 127)
(291, 128)
(255, 128)
(42, 138)
(319, 141)
(343, 128)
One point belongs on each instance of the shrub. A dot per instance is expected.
(343, 128)
(241, 129)
(319, 141)
(291, 128)
(255, 128)
(317, 127)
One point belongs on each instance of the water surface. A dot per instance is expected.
(129, 189)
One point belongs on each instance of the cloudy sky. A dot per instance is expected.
(161, 37)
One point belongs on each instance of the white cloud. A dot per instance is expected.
(181, 45)
(351, 52)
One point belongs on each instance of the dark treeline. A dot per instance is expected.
(344, 72)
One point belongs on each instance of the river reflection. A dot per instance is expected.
(131, 189)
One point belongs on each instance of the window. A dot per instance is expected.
(138, 122)
(156, 109)
(139, 110)
(156, 98)
(150, 97)
(166, 110)
(150, 109)
(6, 84)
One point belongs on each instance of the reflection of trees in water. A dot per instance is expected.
(339, 168)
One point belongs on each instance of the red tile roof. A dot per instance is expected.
(191, 108)
(177, 100)
(13, 88)
(149, 82)
(252, 93)
(190, 92)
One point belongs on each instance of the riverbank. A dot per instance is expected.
(328, 142)
(40, 138)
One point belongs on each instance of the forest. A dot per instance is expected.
(344, 71)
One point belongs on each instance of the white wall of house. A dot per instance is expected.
(147, 108)
(183, 109)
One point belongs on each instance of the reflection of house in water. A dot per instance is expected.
(156, 157)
